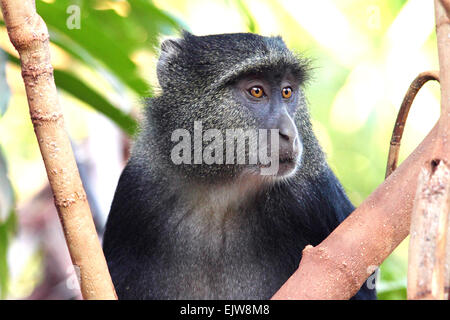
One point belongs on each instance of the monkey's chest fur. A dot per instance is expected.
(226, 248)
(212, 244)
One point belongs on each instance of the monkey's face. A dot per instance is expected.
(272, 100)
(244, 128)
(231, 106)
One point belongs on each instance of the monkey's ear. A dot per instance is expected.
(170, 49)
(171, 46)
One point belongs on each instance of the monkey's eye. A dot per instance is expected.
(257, 92)
(286, 92)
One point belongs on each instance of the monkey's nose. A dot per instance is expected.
(285, 135)
(287, 129)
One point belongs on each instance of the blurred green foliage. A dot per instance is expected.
(7, 223)
(104, 42)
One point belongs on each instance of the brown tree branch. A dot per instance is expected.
(28, 33)
(337, 267)
(429, 251)
(442, 14)
(428, 232)
(402, 116)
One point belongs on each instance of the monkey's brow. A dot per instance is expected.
(270, 76)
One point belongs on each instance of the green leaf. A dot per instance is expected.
(160, 21)
(5, 93)
(7, 223)
(97, 35)
(80, 90)
(392, 284)
(250, 21)
(77, 88)
(7, 230)
(6, 191)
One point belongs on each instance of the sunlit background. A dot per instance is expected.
(365, 53)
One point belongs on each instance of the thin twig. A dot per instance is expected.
(399, 127)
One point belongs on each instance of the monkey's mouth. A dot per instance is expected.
(287, 160)
(285, 166)
(282, 161)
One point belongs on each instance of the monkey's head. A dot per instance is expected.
(218, 89)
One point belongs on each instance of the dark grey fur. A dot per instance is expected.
(203, 232)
